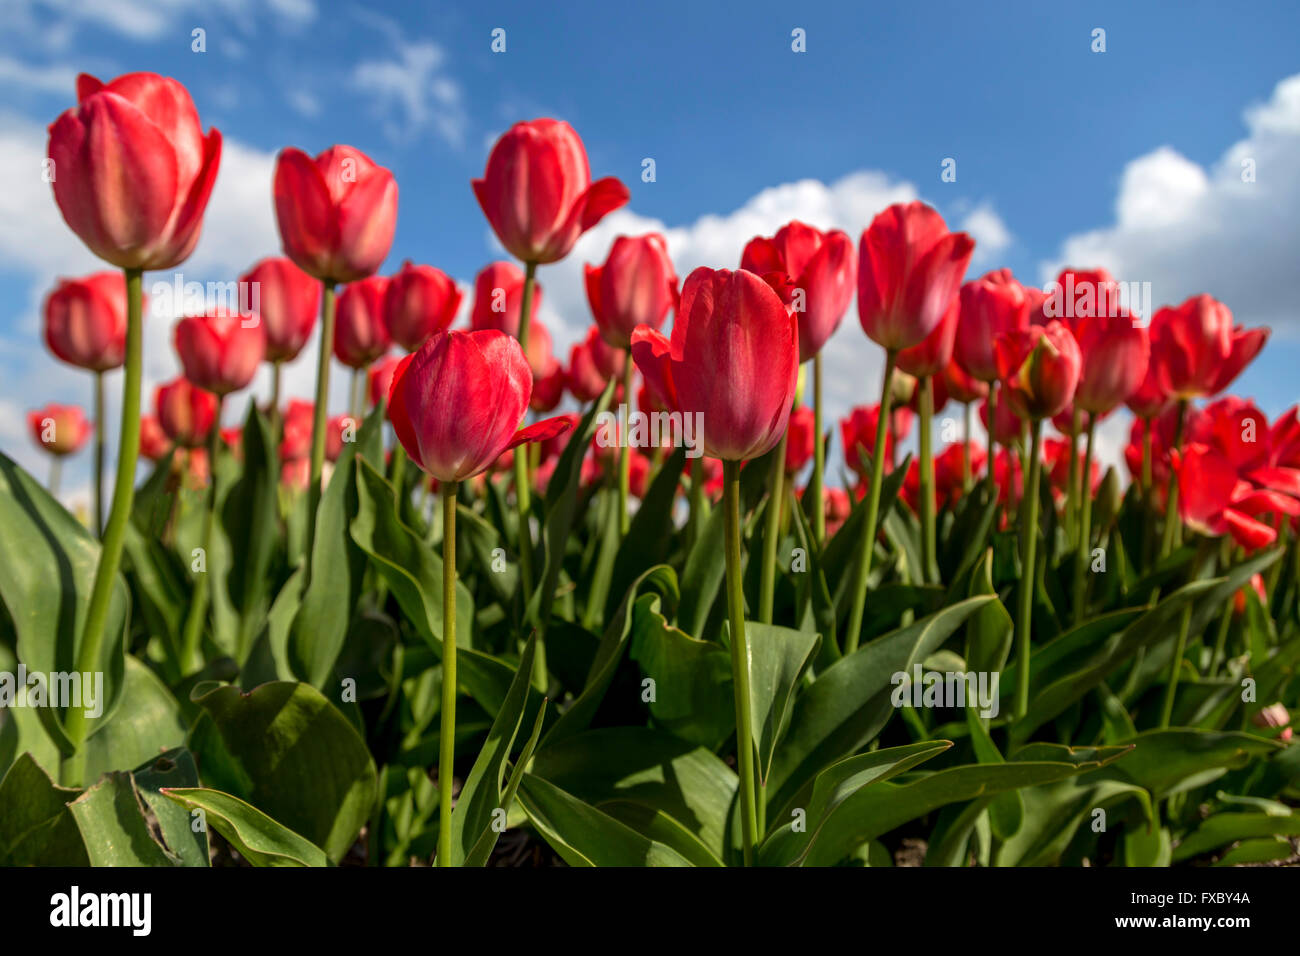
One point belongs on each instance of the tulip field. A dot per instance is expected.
(649, 603)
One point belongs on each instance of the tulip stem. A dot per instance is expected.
(399, 475)
(739, 661)
(274, 410)
(867, 543)
(693, 521)
(1029, 543)
(56, 472)
(523, 498)
(447, 718)
(110, 555)
(319, 416)
(993, 441)
(356, 402)
(625, 451)
(1148, 490)
(1085, 525)
(776, 494)
(1172, 520)
(1071, 485)
(819, 457)
(929, 563)
(1175, 666)
(99, 454)
(965, 448)
(191, 658)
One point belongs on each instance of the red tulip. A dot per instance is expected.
(296, 473)
(934, 353)
(1114, 352)
(990, 305)
(548, 389)
(540, 357)
(1196, 349)
(154, 442)
(1236, 429)
(801, 439)
(909, 270)
(498, 297)
(636, 286)
(1008, 428)
(858, 435)
(336, 213)
(961, 386)
(456, 403)
(1150, 399)
(1056, 458)
(733, 359)
(592, 362)
(1079, 294)
(340, 430)
(949, 477)
(85, 321)
(186, 412)
(551, 448)
(288, 302)
(821, 265)
(537, 191)
(1039, 369)
(360, 336)
(60, 429)
(420, 301)
(837, 509)
(1163, 427)
(220, 352)
(132, 170)
(1213, 500)
(1281, 470)
(298, 421)
(381, 378)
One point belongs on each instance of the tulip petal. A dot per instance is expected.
(761, 256)
(602, 198)
(367, 219)
(308, 227)
(1245, 346)
(652, 353)
(188, 223)
(592, 275)
(1285, 480)
(544, 430)
(1248, 532)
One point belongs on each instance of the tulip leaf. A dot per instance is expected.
(1224, 828)
(175, 768)
(583, 835)
(849, 702)
(258, 838)
(110, 817)
(778, 656)
(321, 624)
(1166, 762)
(482, 850)
(151, 722)
(650, 533)
(36, 827)
(47, 569)
(287, 750)
(250, 520)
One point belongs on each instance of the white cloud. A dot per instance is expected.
(56, 80)
(412, 92)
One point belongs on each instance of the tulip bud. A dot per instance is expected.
(154, 443)
(420, 301)
(1039, 368)
(186, 412)
(288, 303)
(989, 306)
(1115, 351)
(1196, 349)
(636, 286)
(498, 299)
(60, 429)
(220, 352)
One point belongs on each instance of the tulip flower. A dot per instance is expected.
(85, 326)
(498, 298)
(154, 443)
(1039, 369)
(800, 439)
(360, 336)
(548, 389)
(60, 430)
(220, 352)
(537, 192)
(380, 379)
(336, 214)
(733, 361)
(288, 301)
(589, 363)
(637, 285)
(298, 421)
(132, 169)
(456, 405)
(186, 412)
(420, 301)
(132, 173)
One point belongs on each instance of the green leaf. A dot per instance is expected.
(250, 520)
(482, 850)
(150, 722)
(36, 828)
(703, 575)
(778, 656)
(110, 817)
(471, 818)
(321, 624)
(175, 768)
(583, 835)
(1224, 828)
(1169, 761)
(258, 838)
(288, 751)
(849, 702)
(652, 769)
(47, 568)
(650, 535)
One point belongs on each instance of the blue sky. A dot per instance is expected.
(1126, 158)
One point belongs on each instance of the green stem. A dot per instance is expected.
(624, 449)
(929, 564)
(819, 457)
(993, 442)
(1071, 480)
(56, 474)
(399, 475)
(99, 454)
(740, 661)
(274, 411)
(357, 400)
(965, 448)
(1175, 666)
(447, 718)
(1029, 543)
(1148, 491)
(1220, 639)
(1085, 527)
(866, 544)
(191, 658)
(694, 522)
(776, 493)
(1172, 520)
(110, 555)
(319, 416)
(523, 495)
